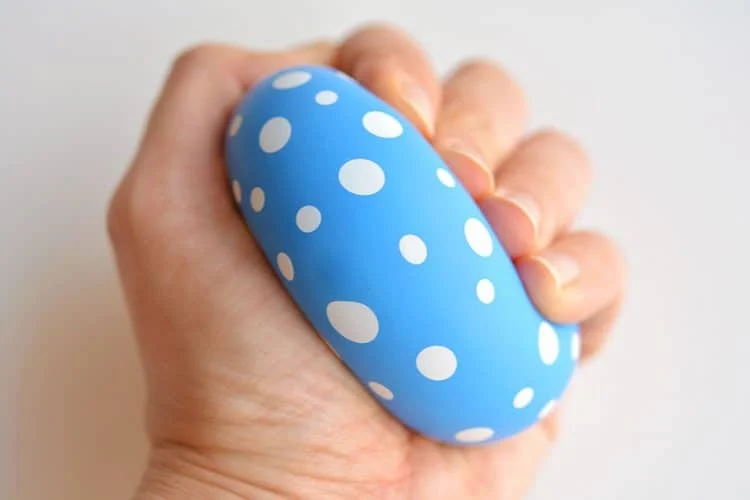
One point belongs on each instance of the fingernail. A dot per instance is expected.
(418, 100)
(563, 268)
(525, 203)
(471, 155)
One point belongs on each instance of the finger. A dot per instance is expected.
(539, 190)
(576, 277)
(394, 67)
(482, 116)
(595, 332)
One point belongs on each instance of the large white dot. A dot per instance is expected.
(478, 237)
(291, 79)
(237, 190)
(446, 178)
(326, 97)
(381, 390)
(274, 134)
(285, 266)
(549, 343)
(413, 249)
(382, 124)
(308, 219)
(362, 177)
(485, 291)
(575, 346)
(474, 435)
(257, 199)
(234, 127)
(437, 362)
(353, 320)
(547, 409)
(523, 398)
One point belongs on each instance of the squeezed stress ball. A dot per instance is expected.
(391, 260)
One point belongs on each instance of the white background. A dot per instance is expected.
(658, 93)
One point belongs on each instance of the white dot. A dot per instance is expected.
(326, 97)
(237, 190)
(478, 237)
(285, 266)
(382, 124)
(308, 219)
(549, 344)
(291, 79)
(235, 126)
(362, 177)
(575, 346)
(353, 320)
(547, 409)
(381, 390)
(257, 199)
(437, 363)
(474, 435)
(485, 291)
(523, 398)
(413, 249)
(446, 178)
(274, 134)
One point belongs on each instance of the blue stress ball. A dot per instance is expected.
(391, 260)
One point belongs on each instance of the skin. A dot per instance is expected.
(244, 400)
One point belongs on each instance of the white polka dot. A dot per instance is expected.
(549, 344)
(523, 398)
(257, 199)
(381, 390)
(547, 409)
(274, 134)
(446, 178)
(237, 190)
(362, 177)
(413, 249)
(285, 266)
(382, 125)
(353, 320)
(291, 79)
(478, 237)
(474, 435)
(308, 219)
(235, 125)
(437, 363)
(326, 97)
(485, 291)
(575, 346)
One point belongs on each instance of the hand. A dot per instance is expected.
(244, 400)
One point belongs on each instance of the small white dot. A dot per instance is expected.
(446, 178)
(291, 80)
(257, 199)
(478, 237)
(575, 346)
(235, 126)
(549, 343)
(274, 134)
(326, 97)
(308, 219)
(362, 177)
(437, 363)
(382, 125)
(474, 435)
(485, 291)
(413, 249)
(285, 266)
(353, 321)
(381, 390)
(523, 398)
(547, 409)
(237, 190)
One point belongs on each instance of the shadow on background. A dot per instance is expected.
(80, 430)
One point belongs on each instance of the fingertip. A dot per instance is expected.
(515, 222)
(545, 283)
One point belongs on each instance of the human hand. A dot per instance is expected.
(244, 400)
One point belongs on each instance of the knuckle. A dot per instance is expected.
(194, 58)
(132, 209)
